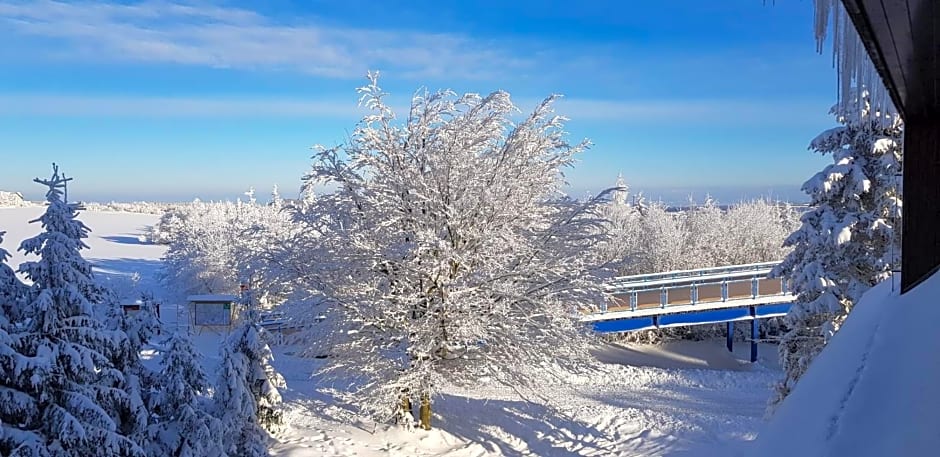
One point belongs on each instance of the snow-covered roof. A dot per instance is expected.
(875, 388)
(211, 298)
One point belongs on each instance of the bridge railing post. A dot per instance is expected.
(693, 293)
(663, 297)
(634, 298)
(724, 290)
(755, 284)
(755, 333)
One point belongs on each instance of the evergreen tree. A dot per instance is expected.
(11, 289)
(247, 394)
(849, 240)
(16, 404)
(181, 426)
(72, 397)
(141, 382)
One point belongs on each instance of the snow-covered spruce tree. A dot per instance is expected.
(449, 252)
(12, 290)
(16, 370)
(78, 405)
(247, 395)
(849, 240)
(181, 426)
(141, 382)
(143, 325)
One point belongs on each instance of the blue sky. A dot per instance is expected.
(171, 101)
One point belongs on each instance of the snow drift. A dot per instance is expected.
(874, 390)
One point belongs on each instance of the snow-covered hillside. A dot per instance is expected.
(873, 391)
(690, 399)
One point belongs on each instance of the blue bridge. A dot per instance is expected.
(730, 294)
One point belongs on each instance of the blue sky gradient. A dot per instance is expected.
(171, 101)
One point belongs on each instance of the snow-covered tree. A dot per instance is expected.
(73, 397)
(16, 401)
(247, 395)
(181, 426)
(447, 248)
(849, 240)
(647, 238)
(142, 325)
(11, 289)
(213, 247)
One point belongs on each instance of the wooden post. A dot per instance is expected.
(406, 407)
(425, 412)
(920, 226)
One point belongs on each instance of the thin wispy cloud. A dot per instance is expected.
(227, 37)
(706, 112)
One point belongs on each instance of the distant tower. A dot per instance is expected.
(622, 192)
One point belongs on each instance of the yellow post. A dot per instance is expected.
(425, 412)
(406, 407)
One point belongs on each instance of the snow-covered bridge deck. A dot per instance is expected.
(694, 297)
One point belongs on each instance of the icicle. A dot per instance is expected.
(854, 69)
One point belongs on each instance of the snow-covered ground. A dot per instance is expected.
(873, 391)
(685, 398)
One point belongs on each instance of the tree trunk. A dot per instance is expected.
(405, 413)
(425, 412)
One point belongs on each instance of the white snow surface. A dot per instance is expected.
(684, 399)
(874, 390)
(114, 247)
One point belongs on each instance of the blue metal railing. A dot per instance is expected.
(692, 280)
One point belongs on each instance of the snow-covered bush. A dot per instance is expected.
(59, 378)
(850, 238)
(447, 250)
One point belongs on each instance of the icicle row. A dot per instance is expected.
(855, 71)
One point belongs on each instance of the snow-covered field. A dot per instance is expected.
(679, 399)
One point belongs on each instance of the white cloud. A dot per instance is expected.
(689, 111)
(711, 112)
(78, 105)
(225, 37)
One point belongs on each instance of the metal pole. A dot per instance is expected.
(755, 334)
(730, 336)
